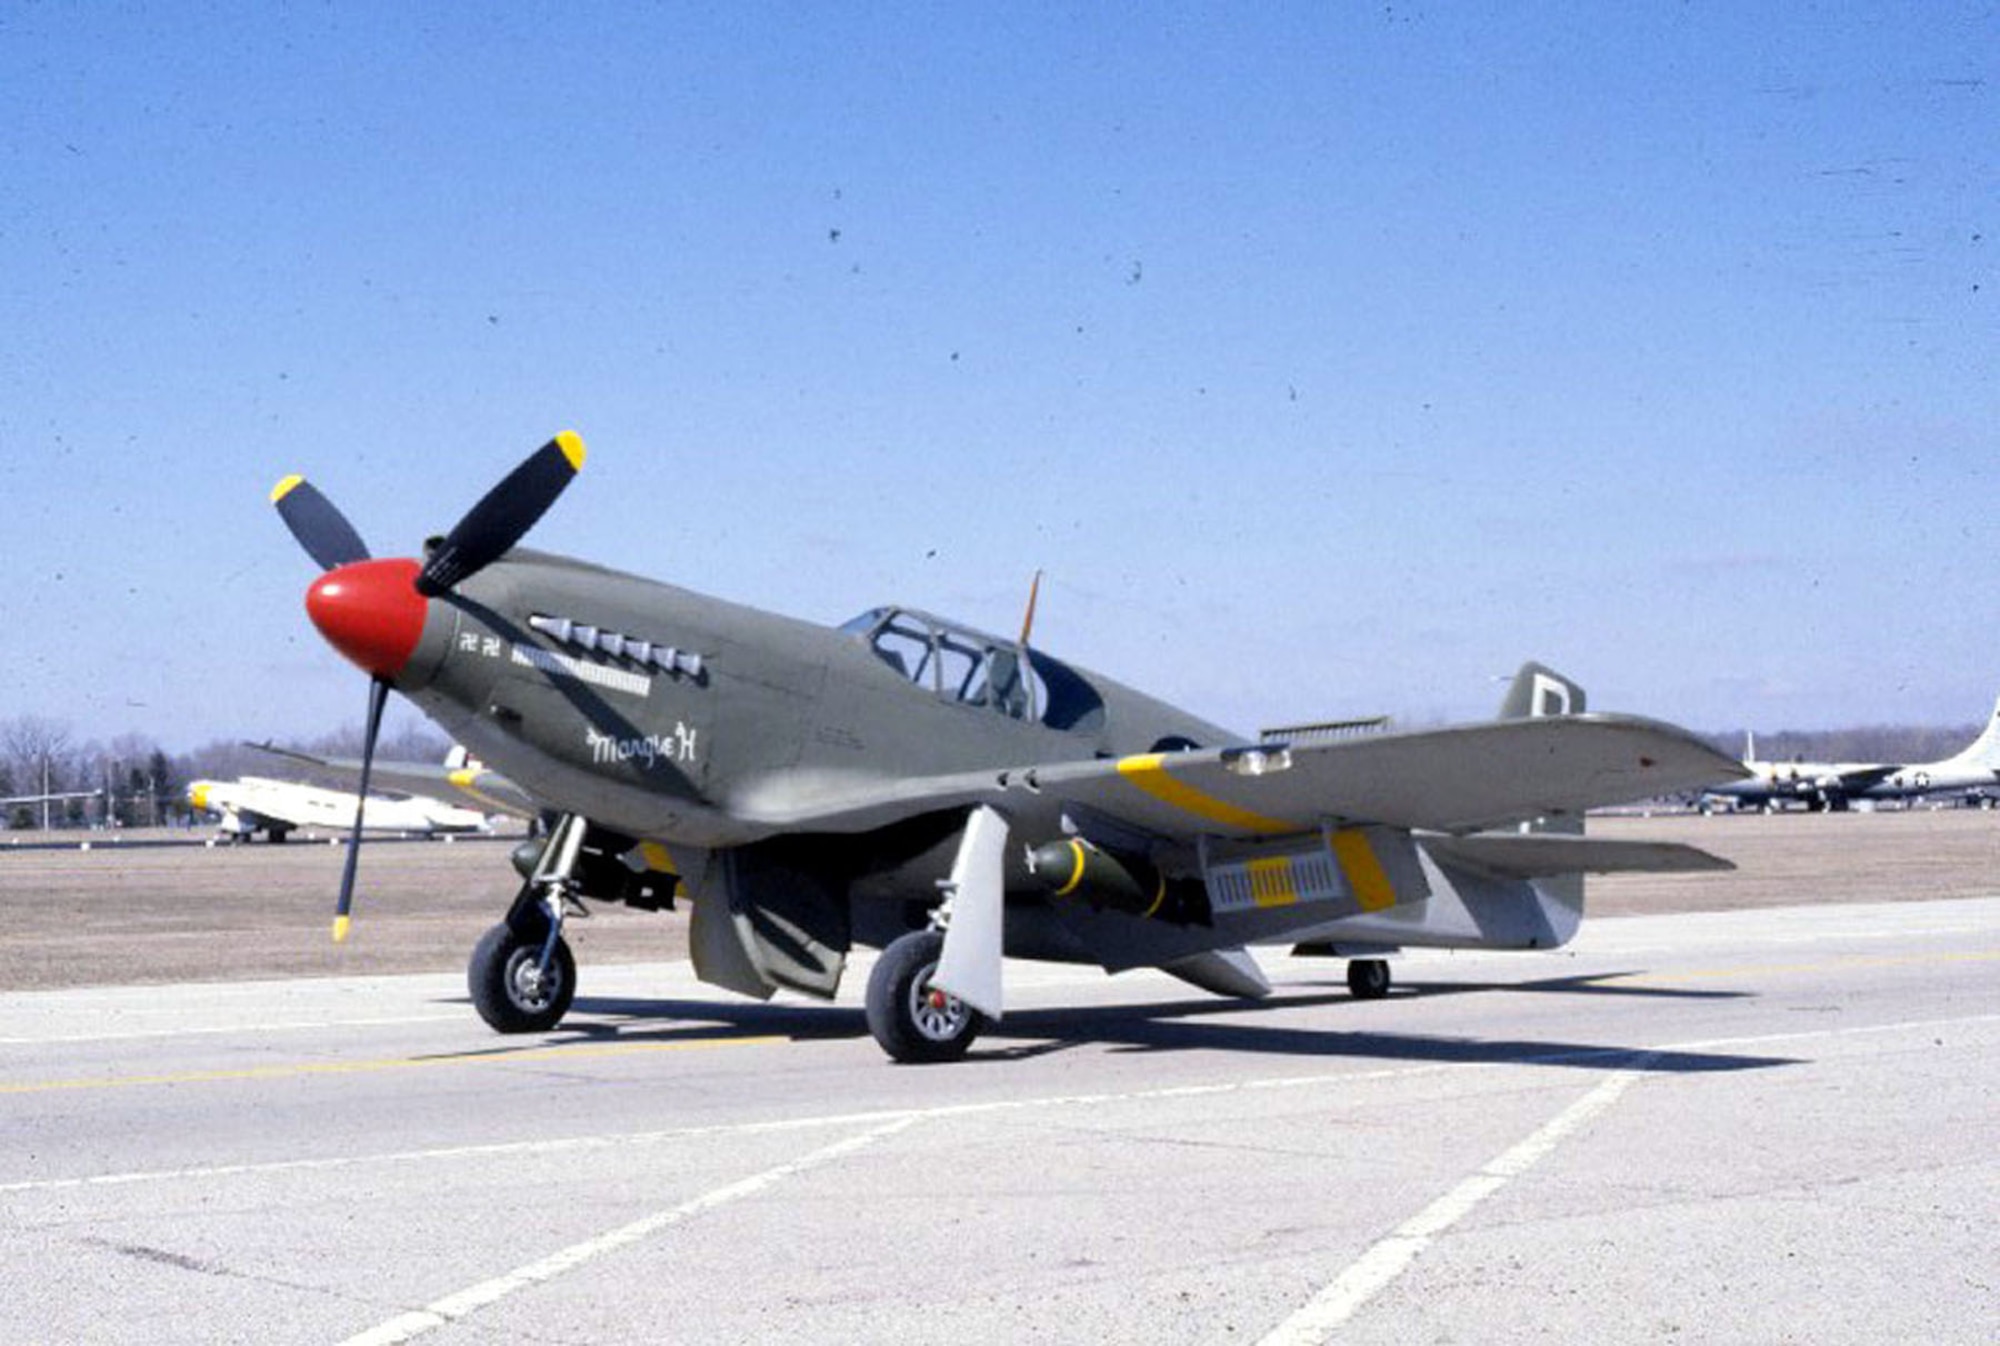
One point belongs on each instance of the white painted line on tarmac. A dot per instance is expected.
(442, 1312)
(1850, 1031)
(1734, 942)
(542, 1148)
(1387, 1260)
(1382, 1264)
(675, 1135)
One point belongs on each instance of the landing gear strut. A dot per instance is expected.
(912, 1020)
(522, 975)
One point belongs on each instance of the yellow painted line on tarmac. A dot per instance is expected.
(305, 1070)
(1795, 969)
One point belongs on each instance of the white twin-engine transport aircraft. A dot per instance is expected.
(277, 808)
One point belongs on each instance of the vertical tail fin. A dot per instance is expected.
(1983, 752)
(1539, 690)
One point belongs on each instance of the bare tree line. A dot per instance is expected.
(1899, 744)
(134, 782)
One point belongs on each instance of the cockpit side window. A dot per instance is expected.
(1000, 686)
(960, 665)
(1067, 700)
(906, 651)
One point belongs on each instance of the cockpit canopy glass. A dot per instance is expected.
(971, 668)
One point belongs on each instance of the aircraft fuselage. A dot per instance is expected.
(687, 719)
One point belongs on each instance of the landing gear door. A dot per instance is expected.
(786, 919)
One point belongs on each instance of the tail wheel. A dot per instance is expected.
(1368, 978)
(509, 988)
(914, 1021)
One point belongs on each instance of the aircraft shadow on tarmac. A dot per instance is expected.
(1596, 983)
(1179, 1025)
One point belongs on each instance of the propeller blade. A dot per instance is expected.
(378, 695)
(504, 515)
(320, 528)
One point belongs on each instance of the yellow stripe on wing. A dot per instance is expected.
(1363, 870)
(1150, 774)
(464, 780)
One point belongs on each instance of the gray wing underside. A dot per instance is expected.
(1457, 780)
(474, 787)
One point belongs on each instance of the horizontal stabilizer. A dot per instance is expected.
(1545, 855)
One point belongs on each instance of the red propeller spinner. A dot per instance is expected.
(371, 612)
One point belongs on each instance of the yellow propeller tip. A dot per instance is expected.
(285, 487)
(339, 929)
(571, 445)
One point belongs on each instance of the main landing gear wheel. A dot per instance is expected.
(508, 987)
(1368, 978)
(914, 1021)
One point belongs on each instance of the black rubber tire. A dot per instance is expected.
(502, 962)
(901, 1015)
(1368, 978)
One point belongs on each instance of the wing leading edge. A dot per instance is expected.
(479, 787)
(1457, 780)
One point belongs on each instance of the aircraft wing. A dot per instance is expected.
(1856, 779)
(58, 798)
(475, 786)
(1456, 780)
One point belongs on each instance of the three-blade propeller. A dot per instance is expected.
(489, 529)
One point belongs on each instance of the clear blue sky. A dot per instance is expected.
(1331, 359)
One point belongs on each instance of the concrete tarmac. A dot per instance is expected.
(1758, 1126)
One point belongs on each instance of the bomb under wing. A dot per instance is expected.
(1075, 870)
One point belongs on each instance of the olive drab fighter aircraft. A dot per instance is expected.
(948, 796)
